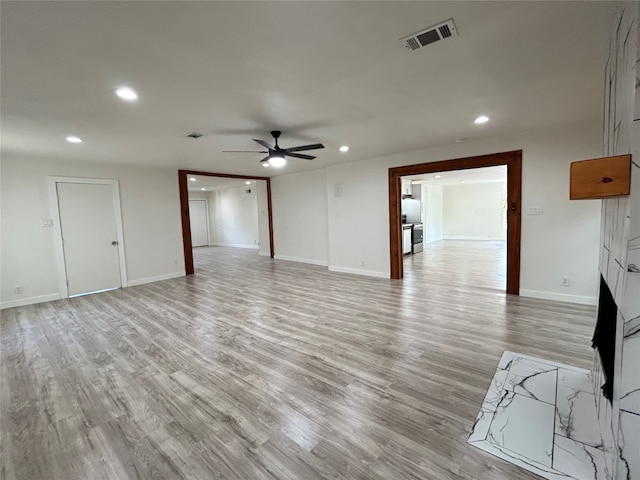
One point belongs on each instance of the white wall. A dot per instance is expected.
(474, 211)
(561, 242)
(433, 224)
(259, 230)
(150, 215)
(300, 217)
(234, 217)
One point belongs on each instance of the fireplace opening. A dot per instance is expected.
(604, 336)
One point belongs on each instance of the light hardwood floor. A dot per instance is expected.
(469, 264)
(262, 369)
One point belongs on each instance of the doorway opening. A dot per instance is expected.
(454, 227)
(223, 210)
(509, 208)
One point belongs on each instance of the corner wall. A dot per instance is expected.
(150, 214)
(300, 227)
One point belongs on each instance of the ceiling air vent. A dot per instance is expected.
(432, 34)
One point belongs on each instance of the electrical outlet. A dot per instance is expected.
(564, 281)
(362, 263)
(19, 289)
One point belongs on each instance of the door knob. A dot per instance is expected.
(115, 242)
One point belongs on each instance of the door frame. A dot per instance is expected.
(184, 211)
(206, 209)
(58, 246)
(513, 161)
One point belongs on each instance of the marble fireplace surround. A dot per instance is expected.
(619, 263)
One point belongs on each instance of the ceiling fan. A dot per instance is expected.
(276, 154)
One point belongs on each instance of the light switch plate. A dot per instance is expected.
(47, 222)
(534, 210)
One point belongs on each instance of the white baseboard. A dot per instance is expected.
(356, 271)
(311, 261)
(235, 245)
(157, 278)
(264, 254)
(29, 301)
(559, 297)
(461, 237)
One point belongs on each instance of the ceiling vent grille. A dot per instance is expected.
(430, 35)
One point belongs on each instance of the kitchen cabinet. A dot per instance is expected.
(406, 239)
(405, 187)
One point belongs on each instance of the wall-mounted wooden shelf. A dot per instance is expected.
(600, 178)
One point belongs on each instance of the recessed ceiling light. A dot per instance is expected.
(344, 148)
(247, 182)
(460, 139)
(126, 93)
(438, 176)
(74, 139)
(203, 189)
(277, 162)
(192, 179)
(481, 119)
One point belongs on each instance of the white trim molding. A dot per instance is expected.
(235, 245)
(356, 271)
(310, 261)
(20, 302)
(157, 278)
(486, 239)
(559, 297)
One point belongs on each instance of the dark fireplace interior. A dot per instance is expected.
(604, 336)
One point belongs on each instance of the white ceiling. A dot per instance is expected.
(329, 72)
(217, 183)
(458, 177)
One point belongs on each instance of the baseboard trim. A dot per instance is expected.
(235, 245)
(264, 254)
(322, 263)
(559, 297)
(157, 278)
(356, 271)
(486, 239)
(21, 302)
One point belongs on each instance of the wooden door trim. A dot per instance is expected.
(184, 211)
(513, 161)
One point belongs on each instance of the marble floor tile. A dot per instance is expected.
(513, 429)
(533, 379)
(572, 406)
(630, 436)
(541, 416)
(578, 460)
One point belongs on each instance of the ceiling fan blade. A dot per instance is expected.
(244, 151)
(299, 155)
(302, 148)
(265, 159)
(264, 144)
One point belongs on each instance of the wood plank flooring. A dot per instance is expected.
(472, 263)
(262, 369)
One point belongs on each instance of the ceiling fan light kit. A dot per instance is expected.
(276, 155)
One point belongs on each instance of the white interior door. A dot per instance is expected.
(89, 236)
(198, 216)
